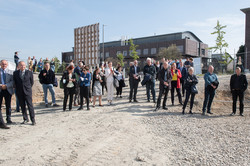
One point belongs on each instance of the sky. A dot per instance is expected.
(45, 28)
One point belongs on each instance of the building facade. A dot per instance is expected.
(247, 36)
(86, 44)
(67, 57)
(188, 44)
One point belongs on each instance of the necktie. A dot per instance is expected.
(4, 77)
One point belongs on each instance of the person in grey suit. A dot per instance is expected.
(23, 82)
(6, 91)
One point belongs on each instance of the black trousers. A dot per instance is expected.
(7, 97)
(173, 87)
(188, 93)
(236, 94)
(68, 92)
(182, 87)
(119, 89)
(104, 86)
(23, 100)
(161, 92)
(84, 93)
(1, 118)
(133, 84)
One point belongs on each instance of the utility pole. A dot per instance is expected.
(103, 41)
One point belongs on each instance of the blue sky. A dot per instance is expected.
(44, 28)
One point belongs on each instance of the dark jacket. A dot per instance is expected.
(161, 78)
(132, 72)
(66, 77)
(49, 78)
(25, 85)
(242, 82)
(189, 84)
(150, 70)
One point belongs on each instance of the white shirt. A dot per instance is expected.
(119, 76)
(108, 75)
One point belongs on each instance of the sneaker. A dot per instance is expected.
(55, 105)
(241, 114)
(120, 96)
(232, 114)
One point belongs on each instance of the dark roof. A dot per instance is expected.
(245, 10)
(155, 38)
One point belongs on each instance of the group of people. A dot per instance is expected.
(80, 85)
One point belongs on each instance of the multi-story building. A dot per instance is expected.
(247, 36)
(188, 44)
(87, 44)
(67, 57)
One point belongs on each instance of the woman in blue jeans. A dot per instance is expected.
(190, 81)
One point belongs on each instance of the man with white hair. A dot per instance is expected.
(211, 84)
(150, 71)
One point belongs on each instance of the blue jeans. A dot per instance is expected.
(209, 96)
(150, 85)
(52, 91)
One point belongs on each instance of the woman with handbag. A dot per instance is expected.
(69, 84)
(97, 87)
(85, 79)
(190, 86)
(121, 82)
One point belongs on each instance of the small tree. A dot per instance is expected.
(132, 50)
(121, 57)
(221, 44)
(114, 61)
(62, 67)
(172, 52)
(57, 64)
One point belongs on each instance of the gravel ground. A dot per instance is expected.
(131, 134)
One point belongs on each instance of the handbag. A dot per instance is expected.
(116, 82)
(123, 83)
(194, 90)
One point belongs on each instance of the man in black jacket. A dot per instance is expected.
(23, 82)
(165, 78)
(150, 85)
(47, 79)
(238, 85)
(134, 80)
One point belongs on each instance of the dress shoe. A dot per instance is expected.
(88, 109)
(190, 112)
(241, 114)
(25, 122)
(80, 108)
(165, 108)
(148, 101)
(232, 114)
(209, 112)
(135, 101)
(33, 123)
(181, 103)
(120, 96)
(156, 109)
(130, 101)
(3, 126)
(154, 101)
(183, 112)
(172, 104)
(100, 105)
(203, 113)
(46, 105)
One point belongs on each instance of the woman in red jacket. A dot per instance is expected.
(175, 83)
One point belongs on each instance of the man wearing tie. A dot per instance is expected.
(6, 91)
(134, 80)
(23, 82)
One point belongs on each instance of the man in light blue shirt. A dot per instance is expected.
(211, 84)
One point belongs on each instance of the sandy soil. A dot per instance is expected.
(131, 134)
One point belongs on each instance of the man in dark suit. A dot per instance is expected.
(165, 78)
(34, 63)
(238, 85)
(134, 80)
(23, 82)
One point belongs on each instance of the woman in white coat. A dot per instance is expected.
(109, 74)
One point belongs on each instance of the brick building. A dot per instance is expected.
(247, 35)
(188, 44)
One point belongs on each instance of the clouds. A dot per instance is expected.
(235, 30)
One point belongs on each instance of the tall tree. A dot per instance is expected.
(57, 64)
(172, 52)
(241, 52)
(121, 57)
(132, 49)
(221, 44)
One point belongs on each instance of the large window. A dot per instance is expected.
(118, 52)
(153, 51)
(145, 51)
(106, 54)
(125, 53)
(138, 52)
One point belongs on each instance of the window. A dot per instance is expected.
(106, 54)
(145, 51)
(203, 51)
(125, 53)
(138, 52)
(153, 51)
(118, 52)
